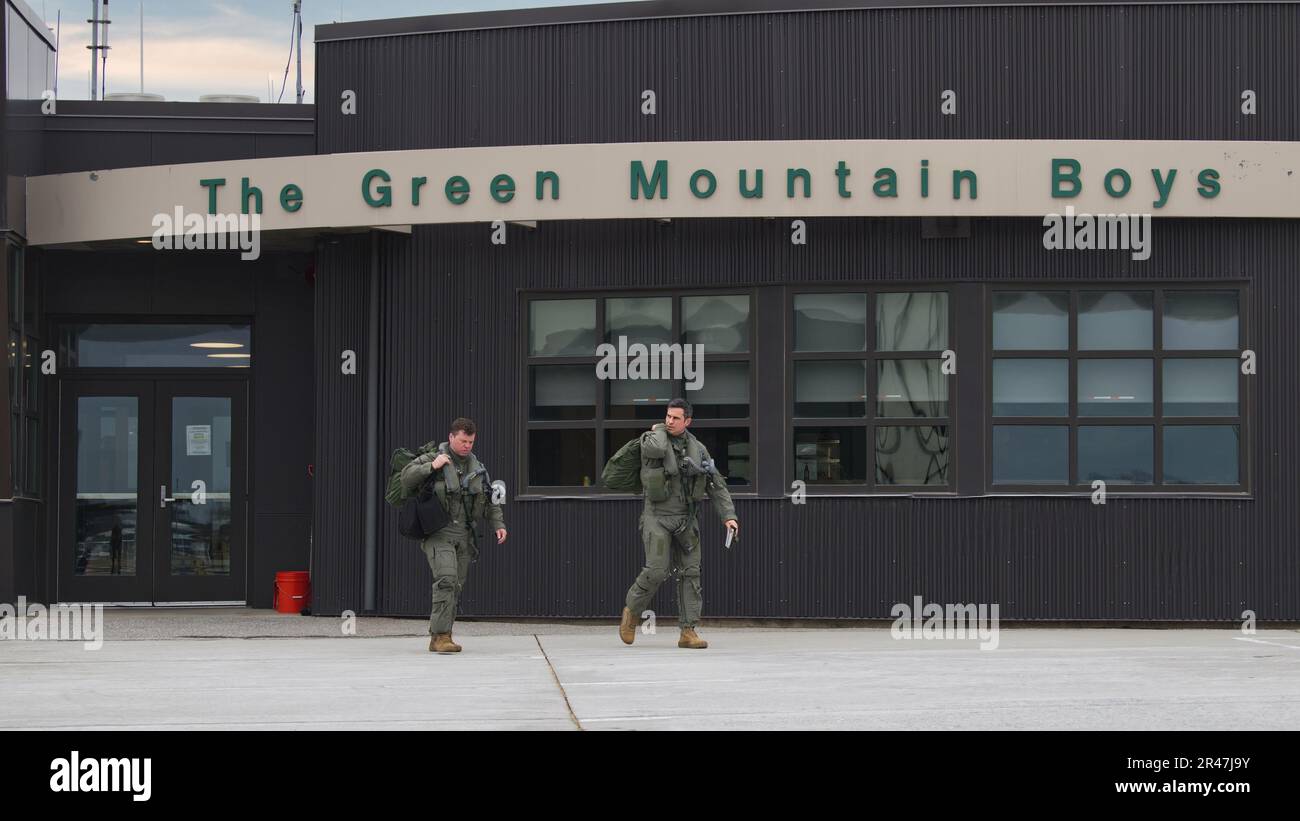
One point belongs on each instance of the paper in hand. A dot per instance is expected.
(731, 534)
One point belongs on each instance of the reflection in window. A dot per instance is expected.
(1031, 387)
(562, 392)
(156, 346)
(729, 448)
(724, 393)
(916, 321)
(641, 319)
(911, 388)
(1031, 321)
(639, 398)
(1201, 454)
(1031, 454)
(1115, 387)
(1200, 320)
(912, 455)
(830, 322)
(830, 454)
(719, 322)
(562, 327)
(833, 389)
(1115, 320)
(1200, 387)
(1116, 454)
(561, 457)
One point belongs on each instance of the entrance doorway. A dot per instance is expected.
(152, 498)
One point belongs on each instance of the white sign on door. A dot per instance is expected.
(198, 440)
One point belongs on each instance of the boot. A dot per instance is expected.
(691, 640)
(627, 627)
(442, 643)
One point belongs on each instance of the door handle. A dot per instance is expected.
(163, 498)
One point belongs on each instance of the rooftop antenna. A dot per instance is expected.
(103, 72)
(58, 28)
(297, 21)
(94, 49)
(98, 71)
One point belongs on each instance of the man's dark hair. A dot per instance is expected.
(463, 424)
(683, 404)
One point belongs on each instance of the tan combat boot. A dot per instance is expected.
(627, 627)
(691, 640)
(442, 643)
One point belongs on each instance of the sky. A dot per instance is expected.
(194, 47)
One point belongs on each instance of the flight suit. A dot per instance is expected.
(669, 526)
(451, 549)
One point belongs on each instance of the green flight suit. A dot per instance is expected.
(452, 548)
(669, 526)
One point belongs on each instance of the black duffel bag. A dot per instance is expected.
(422, 515)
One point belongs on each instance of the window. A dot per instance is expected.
(1134, 386)
(871, 403)
(580, 412)
(154, 345)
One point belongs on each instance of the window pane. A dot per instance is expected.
(1031, 454)
(639, 398)
(830, 454)
(729, 448)
(724, 393)
(830, 322)
(562, 327)
(157, 346)
(558, 458)
(1200, 320)
(640, 319)
(1115, 320)
(1200, 387)
(1031, 321)
(562, 392)
(1201, 454)
(912, 455)
(616, 438)
(830, 388)
(912, 322)
(911, 388)
(719, 322)
(1031, 387)
(1117, 454)
(1115, 387)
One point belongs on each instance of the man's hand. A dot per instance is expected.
(440, 461)
(501, 535)
(734, 525)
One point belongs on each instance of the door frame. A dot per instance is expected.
(128, 382)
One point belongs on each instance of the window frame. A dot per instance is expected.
(1157, 421)
(600, 423)
(872, 356)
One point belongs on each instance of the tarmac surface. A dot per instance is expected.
(234, 668)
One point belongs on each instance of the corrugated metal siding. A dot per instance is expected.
(451, 335)
(1076, 72)
(338, 531)
(450, 323)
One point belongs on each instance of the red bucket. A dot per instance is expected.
(292, 591)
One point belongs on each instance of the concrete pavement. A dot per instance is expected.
(152, 672)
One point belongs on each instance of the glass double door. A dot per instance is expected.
(152, 491)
